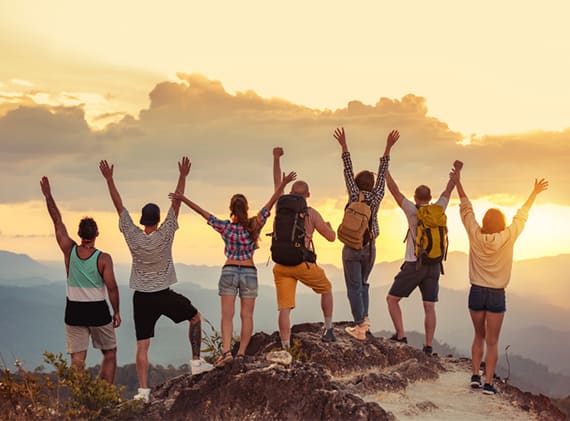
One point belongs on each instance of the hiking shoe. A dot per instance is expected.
(394, 337)
(328, 335)
(475, 381)
(357, 332)
(489, 389)
(142, 395)
(200, 366)
(428, 350)
(367, 324)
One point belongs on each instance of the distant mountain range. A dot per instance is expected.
(32, 299)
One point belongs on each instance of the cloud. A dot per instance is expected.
(229, 138)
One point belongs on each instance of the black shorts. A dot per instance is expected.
(426, 277)
(149, 306)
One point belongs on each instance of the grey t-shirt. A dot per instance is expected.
(152, 269)
(410, 210)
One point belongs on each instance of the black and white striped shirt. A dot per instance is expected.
(153, 268)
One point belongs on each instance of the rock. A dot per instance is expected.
(315, 381)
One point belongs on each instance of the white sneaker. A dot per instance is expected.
(200, 366)
(143, 395)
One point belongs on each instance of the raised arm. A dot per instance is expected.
(391, 140)
(285, 179)
(112, 289)
(341, 139)
(394, 190)
(181, 198)
(539, 186)
(63, 240)
(277, 176)
(348, 172)
(455, 177)
(457, 165)
(183, 169)
(107, 172)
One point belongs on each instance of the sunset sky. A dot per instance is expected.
(225, 82)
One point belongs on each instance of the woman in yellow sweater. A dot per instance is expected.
(490, 262)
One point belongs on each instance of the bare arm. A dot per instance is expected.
(184, 169)
(63, 240)
(391, 140)
(112, 289)
(539, 186)
(286, 179)
(455, 176)
(394, 190)
(457, 165)
(181, 198)
(107, 172)
(277, 176)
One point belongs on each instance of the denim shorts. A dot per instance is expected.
(487, 299)
(242, 279)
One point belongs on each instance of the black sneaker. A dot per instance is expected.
(328, 335)
(489, 389)
(475, 381)
(428, 350)
(394, 337)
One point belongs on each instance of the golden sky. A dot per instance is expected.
(142, 85)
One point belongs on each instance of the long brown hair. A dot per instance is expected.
(239, 208)
(494, 221)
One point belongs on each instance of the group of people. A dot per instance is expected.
(90, 275)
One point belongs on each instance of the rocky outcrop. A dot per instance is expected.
(325, 381)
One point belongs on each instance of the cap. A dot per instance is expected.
(150, 215)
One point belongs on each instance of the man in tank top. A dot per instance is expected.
(90, 278)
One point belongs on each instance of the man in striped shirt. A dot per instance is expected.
(90, 277)
(153, 273)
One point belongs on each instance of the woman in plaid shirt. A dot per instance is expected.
(358, 264)
(240, 234)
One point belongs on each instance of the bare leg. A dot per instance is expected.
(228, 311)
(78, 359)
(108, 365)
(429, 321)
(246, 313)
(285, 324)
(195, 335)
(142, 362)
(494, 323)
(327, 304)
(478, 346)
(396, 315)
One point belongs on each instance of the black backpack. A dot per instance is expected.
(288, 237)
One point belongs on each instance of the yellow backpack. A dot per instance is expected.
(431, 235)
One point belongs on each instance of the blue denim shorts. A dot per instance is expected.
(487, 299)
(242, 279)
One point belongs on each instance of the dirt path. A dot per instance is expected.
(448, 398)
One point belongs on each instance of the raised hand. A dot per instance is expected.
(106, 169)
(184, 166)
(278, 152)
(292, 176)
(392, 138)
(44, 184)
(540, 185)
(340, 136)
(458, 165)
(176, 196)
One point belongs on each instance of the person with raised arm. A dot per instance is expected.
(152, 274)
(358, 262)
(307, 272)
(90, 277)
(491, 246)
(412, 275)
(240, 234)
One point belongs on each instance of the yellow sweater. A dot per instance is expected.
(491, 255)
